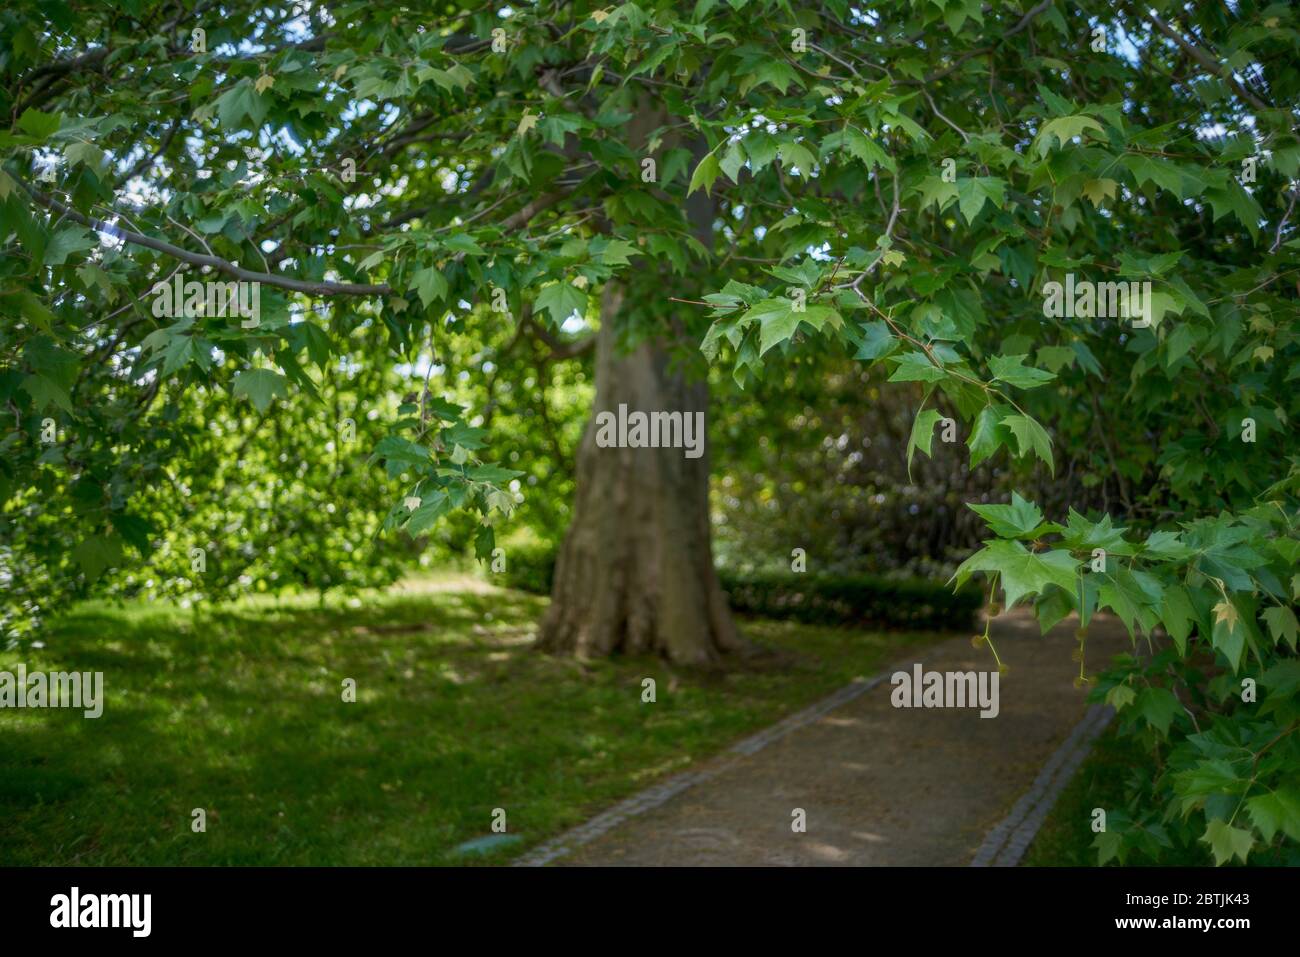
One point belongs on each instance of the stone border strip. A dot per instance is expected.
(659, 794)
(1006, 844)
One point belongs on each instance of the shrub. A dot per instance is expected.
(853, 600)
(530, 568)
(862, 600)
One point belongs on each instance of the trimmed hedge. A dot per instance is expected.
(530, 568)
(860, 600)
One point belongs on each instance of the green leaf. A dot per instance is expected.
(92, 277)
(1178, 615)
(561, 300)
(1056, 358)
(177, 353)
(442, 409)
(617, 251)
(484, 542)
(922, 435)
(1020, 519)
(984, 440)
(1082, 534)
(876, 341)
(443, 78)
(68, 240)
(1058, 105)
(796, 154)
(655, 59)
(732, 162)
(1134, 596)
(1283, 679)
(1064, 129)
(135, 531)
(1120, 696)
(1276, 811)
(1229, 632)
(773, 71)
(934, 189)
(1013, 371)
(87, 154)
(45, 390)
(429, 284)
(238, 102)
(1152, 169)
(1282, 624)
(400, 452)
(261, 386)
(1087, 361)
(492, 473)
(1031, 436)
(916, 367)
(1166, 544)
(867, 150)
(424, 517)
(705, 174)
(777, 321)
(318, 344)
(1108, 845)
(1022, 572)
(1158, 707)
(38, 124)
(974, 191)
(464, 435)
(1234, 199)
(1227, 841)
(463, 243)
(1051, 607)
(712, 341)
(761, 148)
(97, 554)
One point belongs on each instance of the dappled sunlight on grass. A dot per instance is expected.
(239, 711)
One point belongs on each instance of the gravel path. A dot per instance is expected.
(879, 785)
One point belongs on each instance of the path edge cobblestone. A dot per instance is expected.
(659, 794)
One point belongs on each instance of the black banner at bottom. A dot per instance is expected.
(334, 906)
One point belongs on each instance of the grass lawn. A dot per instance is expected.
(239, 712)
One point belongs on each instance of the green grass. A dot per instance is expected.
(1065, 839)
(239, 712)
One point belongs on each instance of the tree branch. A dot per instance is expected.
(309, 287)
(1207, 61)
(559, 348)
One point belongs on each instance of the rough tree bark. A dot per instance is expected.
(636, 573)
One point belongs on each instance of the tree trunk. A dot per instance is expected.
(635, 574)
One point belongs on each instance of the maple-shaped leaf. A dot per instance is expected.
(1225, 613)
(1227, 841)
(1021, 571)
(1020, 519)
(1063, 129)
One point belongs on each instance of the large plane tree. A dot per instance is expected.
(1054, 224)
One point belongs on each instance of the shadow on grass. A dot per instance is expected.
(240, 712)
